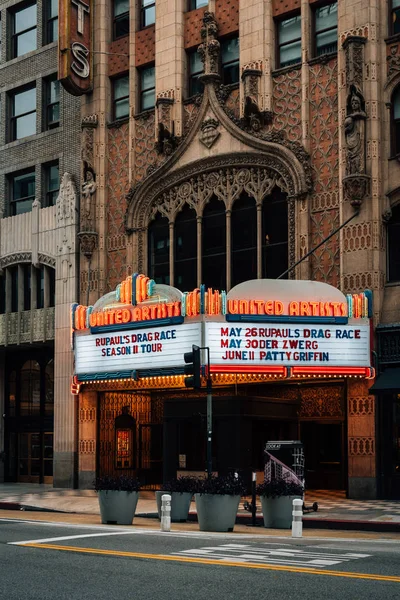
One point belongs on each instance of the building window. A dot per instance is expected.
(24, 22)
(51, 184)
(22, 193)
(274, 235)
(158, 237)
(147, 13)
(214, 244)
(195, 4)
(244, 239)
(40, 287)
(121, 18)
(196, 69)
(14, 288)
(30, 388)
(51, 21)
(393, 246)
(185, 251)
(23, 113)
(230, 60)
(394, 24)
(147, 88)
(395, 126)
(325, 22)
(121, 97)
(52, 102)
(289, 42)
(27, 286)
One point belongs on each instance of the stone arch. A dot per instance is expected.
(225, 176)
(26, 257)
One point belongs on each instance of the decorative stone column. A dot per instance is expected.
(361, 441)
(65, 404)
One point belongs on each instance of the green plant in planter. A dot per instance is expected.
(119, 483)
(279, 487)
(217, 502)
(118, 498)
(276, 501)
(181, 485)
(228, 485)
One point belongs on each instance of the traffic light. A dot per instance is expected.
(193, 368)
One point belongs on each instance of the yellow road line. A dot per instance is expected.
(208, 561)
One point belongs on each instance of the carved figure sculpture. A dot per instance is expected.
(88, 191)
(354, 129)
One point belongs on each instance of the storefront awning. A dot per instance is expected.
(386, 382)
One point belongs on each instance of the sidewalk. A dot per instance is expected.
(334, 510)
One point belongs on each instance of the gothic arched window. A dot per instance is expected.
(185, 249)
(393, 246)
(158, 235)
(244, 239)
(274, 234)
(214, 245)
(395, 125)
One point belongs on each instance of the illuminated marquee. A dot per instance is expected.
(142, 330)
(75, 70)
(138, 304)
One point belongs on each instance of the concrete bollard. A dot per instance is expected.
(165, 512)
(297, 520)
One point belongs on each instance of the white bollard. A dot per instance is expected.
(297, 518)
(165, 512)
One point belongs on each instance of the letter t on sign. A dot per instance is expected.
(82, 9)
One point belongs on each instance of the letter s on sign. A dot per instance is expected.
(80, 66)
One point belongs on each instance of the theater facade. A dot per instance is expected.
(284, 357)
(222, 144)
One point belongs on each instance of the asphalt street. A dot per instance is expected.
(56, 561)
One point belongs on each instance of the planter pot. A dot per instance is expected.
(277, 512)
(216, 512)
(180, 505)
(117, 507)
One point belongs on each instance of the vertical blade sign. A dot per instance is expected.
(75, 68)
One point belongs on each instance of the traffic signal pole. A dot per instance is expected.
(193, 369)
(209, 417)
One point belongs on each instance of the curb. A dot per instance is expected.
(244, 519)
(308, 523)
(27, 507)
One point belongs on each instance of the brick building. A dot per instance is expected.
(226, 141)
(39, 175)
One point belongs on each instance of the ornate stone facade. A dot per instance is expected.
(318, 130)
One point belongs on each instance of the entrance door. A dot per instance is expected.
(33, 465)
(324, 455)
(29, 458)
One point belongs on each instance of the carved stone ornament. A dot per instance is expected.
(87, 242)
(354, 52)
(66, 201)
(166, 140)
(209, 132)
(210, 47)
(90, 121)
(393, 60)
(356, 188)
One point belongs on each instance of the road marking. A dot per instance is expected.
(225, 563)
(71, 537)
(265, 554)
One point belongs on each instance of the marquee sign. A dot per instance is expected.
(283, 328)
(143, 349)
(297, 345)
(75, 57)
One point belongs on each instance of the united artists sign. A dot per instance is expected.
(75, 69)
